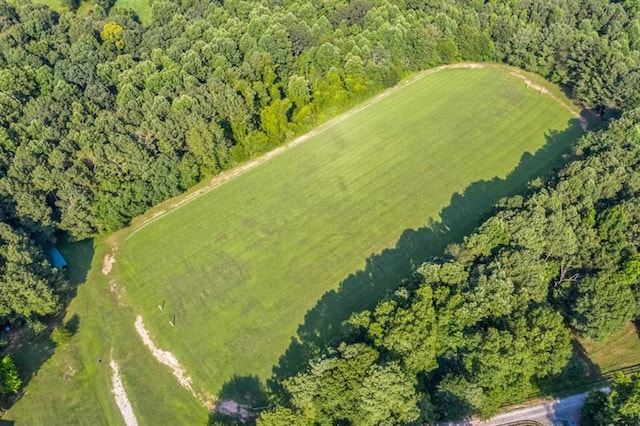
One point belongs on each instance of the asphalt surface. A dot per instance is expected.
(563, 411)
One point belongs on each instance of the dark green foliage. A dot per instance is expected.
(60, 336)
(118, 117)
(351, 387)
(10, 381)
(620, 406)
(27, 280)
(71, 4)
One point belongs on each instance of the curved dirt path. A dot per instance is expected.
(584, 124)
(169, 359)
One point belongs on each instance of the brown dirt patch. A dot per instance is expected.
(229, 407)
(170, 360)
(108, 262)
(113, 287)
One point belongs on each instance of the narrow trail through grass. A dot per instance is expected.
(169, 359)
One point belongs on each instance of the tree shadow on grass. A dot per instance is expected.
(30, 352)
(580, 374)
(79, 255)
(384, 271)
(636, 324)
(239, 401)
(73, 324)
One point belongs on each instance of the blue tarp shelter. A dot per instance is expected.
(56, 259)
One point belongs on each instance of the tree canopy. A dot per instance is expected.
(619, 406)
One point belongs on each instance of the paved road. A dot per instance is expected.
(565, 411)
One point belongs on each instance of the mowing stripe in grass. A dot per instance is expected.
(237, 171)
(240, 266)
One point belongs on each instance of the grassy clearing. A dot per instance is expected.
(57, 5)
(240, 266)
(53, 4)
(619, 350)
(141, 7)
(291, 242)
(593, 361)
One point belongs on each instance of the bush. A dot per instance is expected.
(60, 336)
(36, 328)
(10, 381)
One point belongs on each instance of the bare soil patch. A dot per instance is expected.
(544, 91)
(69, 373)
(122, 401)
(471, 65)
(229, 407)
(531, 85)
(113, 287)
(170, 360)
(107, 263)
(584, 124)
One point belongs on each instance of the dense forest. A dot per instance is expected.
(103, 117)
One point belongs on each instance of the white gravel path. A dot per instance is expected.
(169, 359)
(559, 411)
(122, 401)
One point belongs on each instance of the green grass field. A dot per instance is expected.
(71, 388)
(295, 244)
(53, 4)
(619, 350)
(142, 8)
(240, 266)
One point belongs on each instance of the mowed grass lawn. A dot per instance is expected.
(620, 350)
(53, 4)
(141, 7)
(71, 388)
(240, 266)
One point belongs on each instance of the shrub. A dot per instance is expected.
(9, 379)
(60, 336)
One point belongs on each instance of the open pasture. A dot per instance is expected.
(239, 267)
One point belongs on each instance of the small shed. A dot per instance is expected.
(56, 259)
